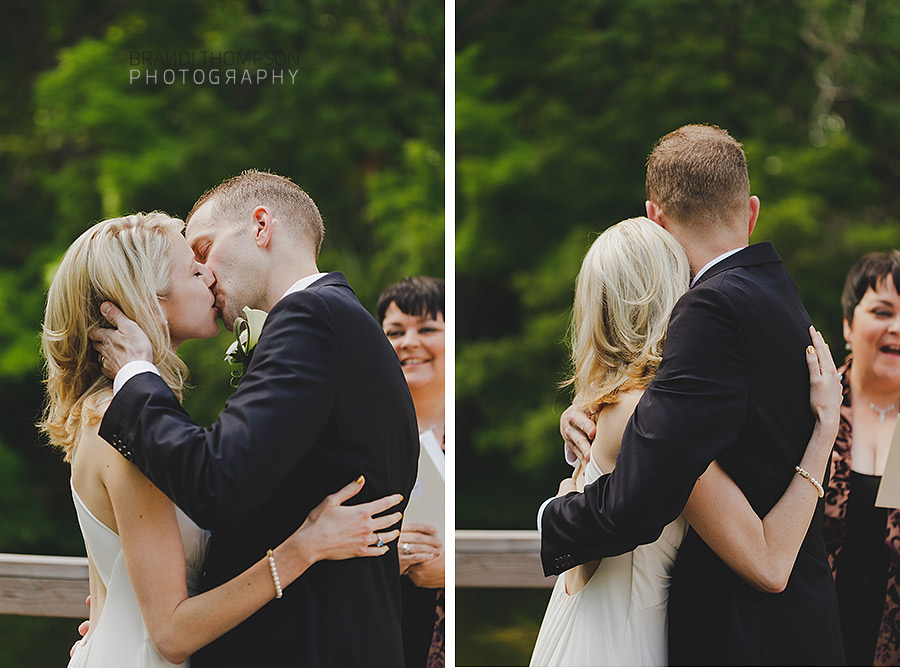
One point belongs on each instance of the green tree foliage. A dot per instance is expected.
(558, 105)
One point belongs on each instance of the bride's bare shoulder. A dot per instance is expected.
(93, 456)
(617, 414)
(611, 423)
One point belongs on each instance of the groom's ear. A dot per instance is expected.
(754, 213)
(654, 212)
(263, 226)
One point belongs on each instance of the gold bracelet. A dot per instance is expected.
(271, 556)
(815, 483)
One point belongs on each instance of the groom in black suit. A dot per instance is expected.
(733, 386)
(322, 401)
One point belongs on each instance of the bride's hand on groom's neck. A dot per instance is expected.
(124, 342)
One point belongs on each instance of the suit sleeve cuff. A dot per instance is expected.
(130, 370)
(540, 515)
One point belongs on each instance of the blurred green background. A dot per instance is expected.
(557, 107)
(360, 128)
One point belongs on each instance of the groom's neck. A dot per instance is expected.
(282, 280)
(700, 257)
(701, 246)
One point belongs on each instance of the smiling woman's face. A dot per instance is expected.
(418, 341)
(874, 333)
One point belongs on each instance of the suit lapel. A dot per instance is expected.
(335, 278)
(761, 253)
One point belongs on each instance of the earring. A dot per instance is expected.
(847, 346)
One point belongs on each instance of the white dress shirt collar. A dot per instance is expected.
(303, 283)
(714, 262)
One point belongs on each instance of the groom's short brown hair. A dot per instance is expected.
(697, 174)
(239, 195)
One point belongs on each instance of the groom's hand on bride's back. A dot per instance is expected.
(120, 344)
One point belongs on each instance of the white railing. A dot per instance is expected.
(47, 586)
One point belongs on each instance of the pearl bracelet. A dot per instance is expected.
(271, 556)
(815, 483)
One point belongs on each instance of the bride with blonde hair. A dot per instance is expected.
(614, 612)
(145, 555)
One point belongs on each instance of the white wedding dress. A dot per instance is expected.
(619, 617)
(119, 639)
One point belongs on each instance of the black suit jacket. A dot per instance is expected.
(733, 386)
(323, 401)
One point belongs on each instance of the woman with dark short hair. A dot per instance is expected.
(863, 540)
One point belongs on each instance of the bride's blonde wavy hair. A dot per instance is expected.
(630, 279)
(123, 260)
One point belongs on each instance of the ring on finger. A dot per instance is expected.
(407, 548)
(380, 542)
(102, 360)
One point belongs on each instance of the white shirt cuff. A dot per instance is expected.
(130, 370)
(541, 513)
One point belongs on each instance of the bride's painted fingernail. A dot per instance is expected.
(359, 480)
(810, 350)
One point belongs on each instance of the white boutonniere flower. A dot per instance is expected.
(246, 335)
